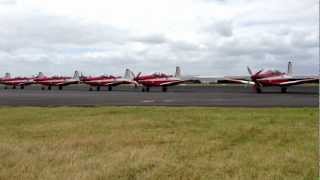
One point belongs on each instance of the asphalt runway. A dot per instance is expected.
(229, 96)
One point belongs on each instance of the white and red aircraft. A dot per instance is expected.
(7, 80)
(160, 80)
(109, 81)
(59, 81)
(265, 78)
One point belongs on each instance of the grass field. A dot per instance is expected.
(158, 143)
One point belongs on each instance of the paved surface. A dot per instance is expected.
(238, 96)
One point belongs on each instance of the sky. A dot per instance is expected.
(203, 37)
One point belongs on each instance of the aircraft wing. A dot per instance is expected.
(301, 81)
(67, 83)
(172, 83)
(203, 79)
(240, 81)
(116, 83)
(61, 84)
(25, 83)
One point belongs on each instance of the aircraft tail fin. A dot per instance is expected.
(178, 72)
(128, 74)
(76, 75)
(40, 75)
(7, 75)
(289, 68)
(82, 75)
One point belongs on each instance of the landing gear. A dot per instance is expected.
(164, 89)
(257, 89)
(98, 88)
(109, 88)
(22, 87)
(42, 88)
(6, 87)
(283, 89)
(90, 89)
(60, 87)
(49, 87)
(146, 89)
(14, 87)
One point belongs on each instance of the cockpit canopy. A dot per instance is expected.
(160, 75)
(271, 72)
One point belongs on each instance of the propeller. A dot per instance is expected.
(252, 76)
(135, 79)
(254, 79)
(256, 74)
(249, 70)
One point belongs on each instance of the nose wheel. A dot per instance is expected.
(164, 89)
(257, 89)
(283, 89)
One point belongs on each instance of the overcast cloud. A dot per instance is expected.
(204, 37)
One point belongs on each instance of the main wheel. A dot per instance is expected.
(98, 88)
(22, 87)
(14, 87)
(60, 87)
(49, 87)
(90, 89)
(148, 89)
(283, 89)
(6, 87)
(109, 88)
(258, 89)
(164, 89)
(42, 88)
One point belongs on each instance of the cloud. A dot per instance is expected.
(221, 27)
(8, 2)
(203, 37)
(150, 38)
(44, 31)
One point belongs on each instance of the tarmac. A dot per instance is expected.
(188, 95)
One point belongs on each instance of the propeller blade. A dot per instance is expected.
(249, 70)
(258, 72)
(138, 75)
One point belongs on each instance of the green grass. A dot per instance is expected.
(158, 143)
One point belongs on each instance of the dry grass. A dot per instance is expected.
(158, 143)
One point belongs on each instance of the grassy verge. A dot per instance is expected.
(158, 143)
